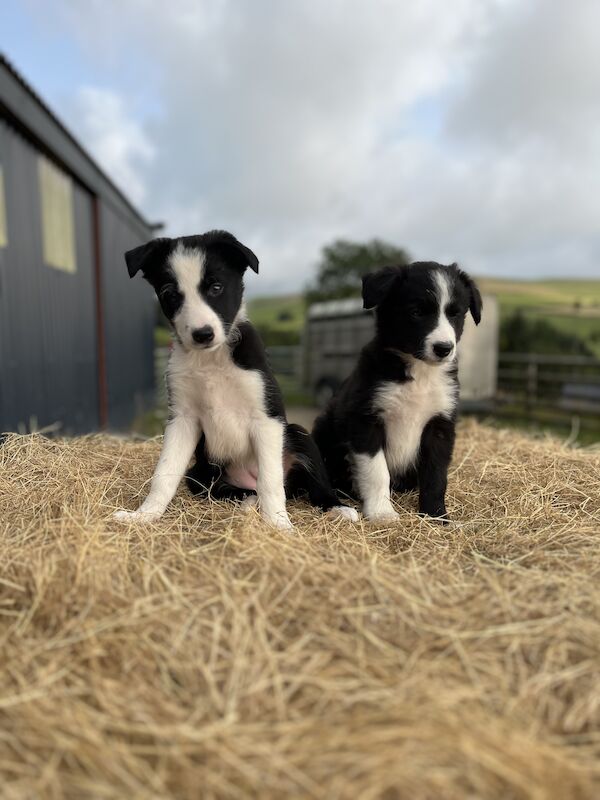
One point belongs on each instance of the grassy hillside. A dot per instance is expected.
(560, 294)
(279, 319)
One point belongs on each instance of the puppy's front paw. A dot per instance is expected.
(343, 512)
(248, 503)
(383, 513)
(136, 516)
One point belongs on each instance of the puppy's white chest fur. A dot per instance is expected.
(407, 407)
(227, 400)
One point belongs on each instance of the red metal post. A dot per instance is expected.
(100, 339)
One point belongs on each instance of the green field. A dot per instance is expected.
(570, 306)
(560, 294)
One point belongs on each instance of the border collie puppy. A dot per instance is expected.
(391, 425)
(224, 402)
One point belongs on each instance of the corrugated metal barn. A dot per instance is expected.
(76, 336)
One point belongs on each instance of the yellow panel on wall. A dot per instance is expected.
(3, 228)
(58, 231)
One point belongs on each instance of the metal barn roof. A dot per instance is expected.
(21, 104)
(336, 308)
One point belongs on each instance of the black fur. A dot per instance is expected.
(249, 353)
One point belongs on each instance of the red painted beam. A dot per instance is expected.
(100, 338)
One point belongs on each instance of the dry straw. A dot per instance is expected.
(208, 656)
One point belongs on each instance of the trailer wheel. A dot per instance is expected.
(325, 390)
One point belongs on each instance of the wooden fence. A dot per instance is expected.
(569, 384)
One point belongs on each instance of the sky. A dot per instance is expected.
(462, 131)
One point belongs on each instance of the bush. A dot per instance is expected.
(521, 334)
(273, 337)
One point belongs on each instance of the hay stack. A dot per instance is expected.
(208, 656)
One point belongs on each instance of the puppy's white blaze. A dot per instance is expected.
(188, 266)
(372, 481)
(443, 331)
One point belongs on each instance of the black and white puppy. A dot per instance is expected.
(224, 402)
(391, 425)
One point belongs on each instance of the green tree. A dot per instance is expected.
(344, 263)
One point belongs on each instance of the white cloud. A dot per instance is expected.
(464, 131)
(117, 141)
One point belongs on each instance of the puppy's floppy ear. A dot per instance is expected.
(376, 285)
(475, 301)
(223, 238)
(146, 256)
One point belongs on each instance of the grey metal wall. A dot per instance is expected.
(49, 370)
(129, 316)
(48, 353)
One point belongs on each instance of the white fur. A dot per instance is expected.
(209, 393)
(188, 267)
(443, 331)
(248, 503)
(226, 400)
(407, 407)
(343, 512)
(267, 439)
(372, 480)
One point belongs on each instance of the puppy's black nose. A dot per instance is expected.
(203, 335)
(443, 349)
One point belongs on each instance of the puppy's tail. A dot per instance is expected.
(308, 474)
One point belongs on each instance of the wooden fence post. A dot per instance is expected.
(532, 384)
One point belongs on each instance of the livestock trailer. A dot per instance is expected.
(336, 331)
(76, 338)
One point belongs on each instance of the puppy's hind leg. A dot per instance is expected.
(201, 476)
(206, 479)
(308, 474)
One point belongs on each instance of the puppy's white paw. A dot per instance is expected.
(248, 503)
(343, 512)
(281, 521)
(136, 516)
(382, 515)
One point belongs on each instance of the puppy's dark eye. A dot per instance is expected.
(215, 289)
(452, 310)
(169, 294)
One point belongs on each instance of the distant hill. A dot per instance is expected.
(556, 293)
